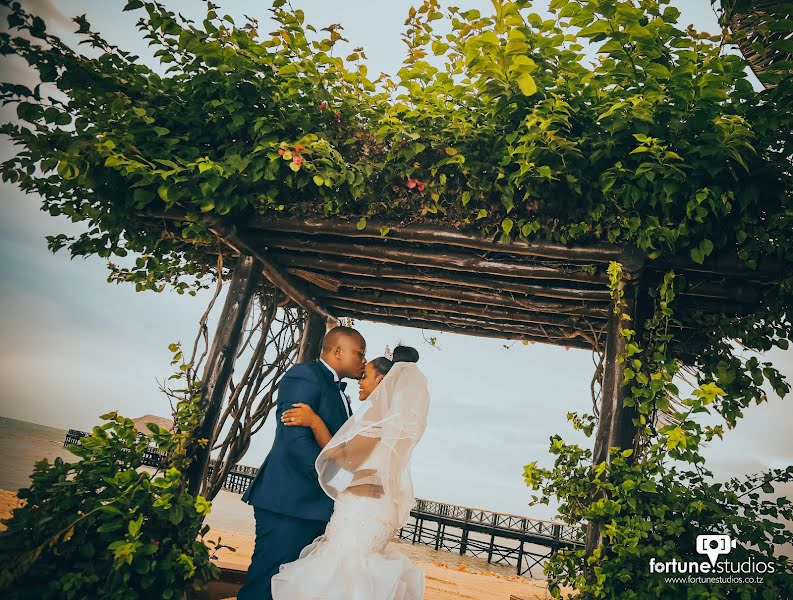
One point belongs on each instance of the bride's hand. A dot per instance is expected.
(300, 415)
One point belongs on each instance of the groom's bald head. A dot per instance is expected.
(344, 349)
(334, 337)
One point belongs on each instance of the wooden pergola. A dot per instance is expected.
(436, 277)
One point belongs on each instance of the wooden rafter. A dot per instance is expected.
(489, 314)
(454, 261)
(341, 266)
(229, 236)
(429, 274)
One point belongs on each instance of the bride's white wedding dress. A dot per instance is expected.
(365, 469)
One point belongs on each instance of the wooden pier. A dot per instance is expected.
(502, 539)
(499, 538)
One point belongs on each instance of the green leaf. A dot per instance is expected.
(783, 46)
(676, 437)
(361, 224)
(506, 225)
(527, 84)
(697, 256)
(135, 525)
(142, 197)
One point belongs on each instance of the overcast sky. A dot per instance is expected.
(73, 346)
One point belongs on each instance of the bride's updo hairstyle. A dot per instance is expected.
(405, 354)
(383, 365)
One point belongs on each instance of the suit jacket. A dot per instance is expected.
(287, 482)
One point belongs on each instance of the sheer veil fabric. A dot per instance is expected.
(365, 468)
(370, 454)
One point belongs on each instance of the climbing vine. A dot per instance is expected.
(651, 502)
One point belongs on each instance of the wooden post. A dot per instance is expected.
(557, 533)
(615, 423)
(245, 281)
(466, 530)
(311, 341)
(520, 558)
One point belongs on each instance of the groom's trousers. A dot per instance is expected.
(279, 540)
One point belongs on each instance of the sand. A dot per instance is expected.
(445, 579)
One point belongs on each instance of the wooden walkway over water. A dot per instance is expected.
(499, 538)
(502, 538)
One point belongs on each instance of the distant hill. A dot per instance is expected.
(140, 423)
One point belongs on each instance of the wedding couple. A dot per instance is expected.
(336, 486)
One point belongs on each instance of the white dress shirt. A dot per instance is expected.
(336, 378)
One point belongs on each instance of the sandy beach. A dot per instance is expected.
(446, 580)
(448, 577)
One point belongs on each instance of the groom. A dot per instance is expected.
(289, 506)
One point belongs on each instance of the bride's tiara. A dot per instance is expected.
(388, 353)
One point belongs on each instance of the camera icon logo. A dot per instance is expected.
(714, 544)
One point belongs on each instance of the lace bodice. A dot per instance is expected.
(360, 524)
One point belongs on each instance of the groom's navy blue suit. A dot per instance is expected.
(290, 507)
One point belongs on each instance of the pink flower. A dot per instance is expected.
(567, 347)
(298, 160)
(299, 148)
(416, 183)
(323, 105)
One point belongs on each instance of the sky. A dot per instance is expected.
(74, 346)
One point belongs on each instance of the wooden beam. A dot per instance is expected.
(725, 263)
(539, 333)
(412, 304)
(615, 427)
(311, 339)
(229, 236)
(722, 290)
(446, 260)
(219, 367)
(437, 234)
(494, 299)
(436, 275)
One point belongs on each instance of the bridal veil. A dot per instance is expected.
(370, 454)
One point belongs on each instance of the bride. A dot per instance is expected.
(365, 468)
